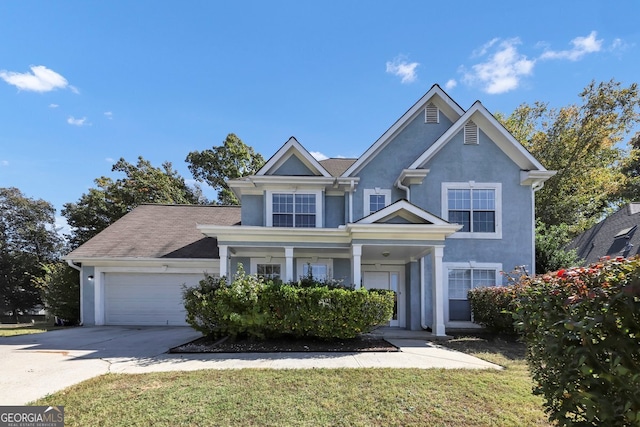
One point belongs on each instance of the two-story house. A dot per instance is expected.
(442, 202)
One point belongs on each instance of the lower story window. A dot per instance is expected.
(269, 271)
(461, 280)
(319, 272)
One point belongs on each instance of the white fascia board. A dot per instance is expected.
(413, 176)
(285, 152)
(496, 132)
(440, 98)
(535, 177)
(399, 206)
(160, 263)
(399, 232)
(239, 234)
(278, 180)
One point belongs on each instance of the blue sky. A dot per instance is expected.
(83, 83)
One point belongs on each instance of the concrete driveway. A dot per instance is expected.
(33, 366)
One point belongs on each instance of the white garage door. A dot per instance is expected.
(146, 299)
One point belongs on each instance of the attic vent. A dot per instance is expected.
(470, 133)
(431, 114)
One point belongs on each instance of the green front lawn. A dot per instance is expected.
(341, 397)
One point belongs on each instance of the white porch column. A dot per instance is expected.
(288, 268)
(98, 297)
(356, 266)
(438, 291)
(224, 261)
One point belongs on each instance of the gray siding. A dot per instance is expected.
(293, 166)
(88, 296)
(253, 210)
(383, 170)
(334, 211)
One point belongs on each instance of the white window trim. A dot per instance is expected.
(319, 204)
(471, 185)
(301, 262)
(375, 192)
(471, 265)
(276, 261)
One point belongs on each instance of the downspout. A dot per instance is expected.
(535, 187)
(403, 187)
(77, 267)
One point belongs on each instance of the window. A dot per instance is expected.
(293, 210)
(431, 114)
(461, 278)
(375, 199)
(477, 207)
(269, 271)
(320, 268)
(471, 133)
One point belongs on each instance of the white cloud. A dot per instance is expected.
(318, 155)
(402, 68)
(78, 122)
(4, 162)
(53, 105)
(581, 47)
(109, 160)
(108, 115)
(450, 84)
(40, 79)
(503, 69)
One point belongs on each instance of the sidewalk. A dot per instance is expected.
(414, 353)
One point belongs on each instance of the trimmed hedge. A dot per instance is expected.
(249, 306)
(582, 329)
(493, 308)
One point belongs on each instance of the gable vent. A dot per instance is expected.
(431, 114)
(471, 133)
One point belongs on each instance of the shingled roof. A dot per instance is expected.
(337, 166)
(160, 231)
(614, 236)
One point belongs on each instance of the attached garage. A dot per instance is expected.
(146, 298)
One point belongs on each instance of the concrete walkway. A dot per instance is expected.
(36, 365)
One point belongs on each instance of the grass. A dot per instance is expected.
(340, 397)
(10, 330)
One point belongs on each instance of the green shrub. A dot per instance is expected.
(249, 306)
(582, 329)
(493, 307)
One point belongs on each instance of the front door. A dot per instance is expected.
(390, 280)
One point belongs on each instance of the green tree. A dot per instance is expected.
(581, 142)
(27, 240)
(60, 289)
(110, 200)
(551, 252)
(233, 159)
(630, 190)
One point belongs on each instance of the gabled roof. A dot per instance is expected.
(494, 129)
(614, 236)
(403, 209)
(436, 95)
(293, 148)
(159, 231)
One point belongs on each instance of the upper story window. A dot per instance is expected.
(476, 206)
(294, 209)
(376, 199)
